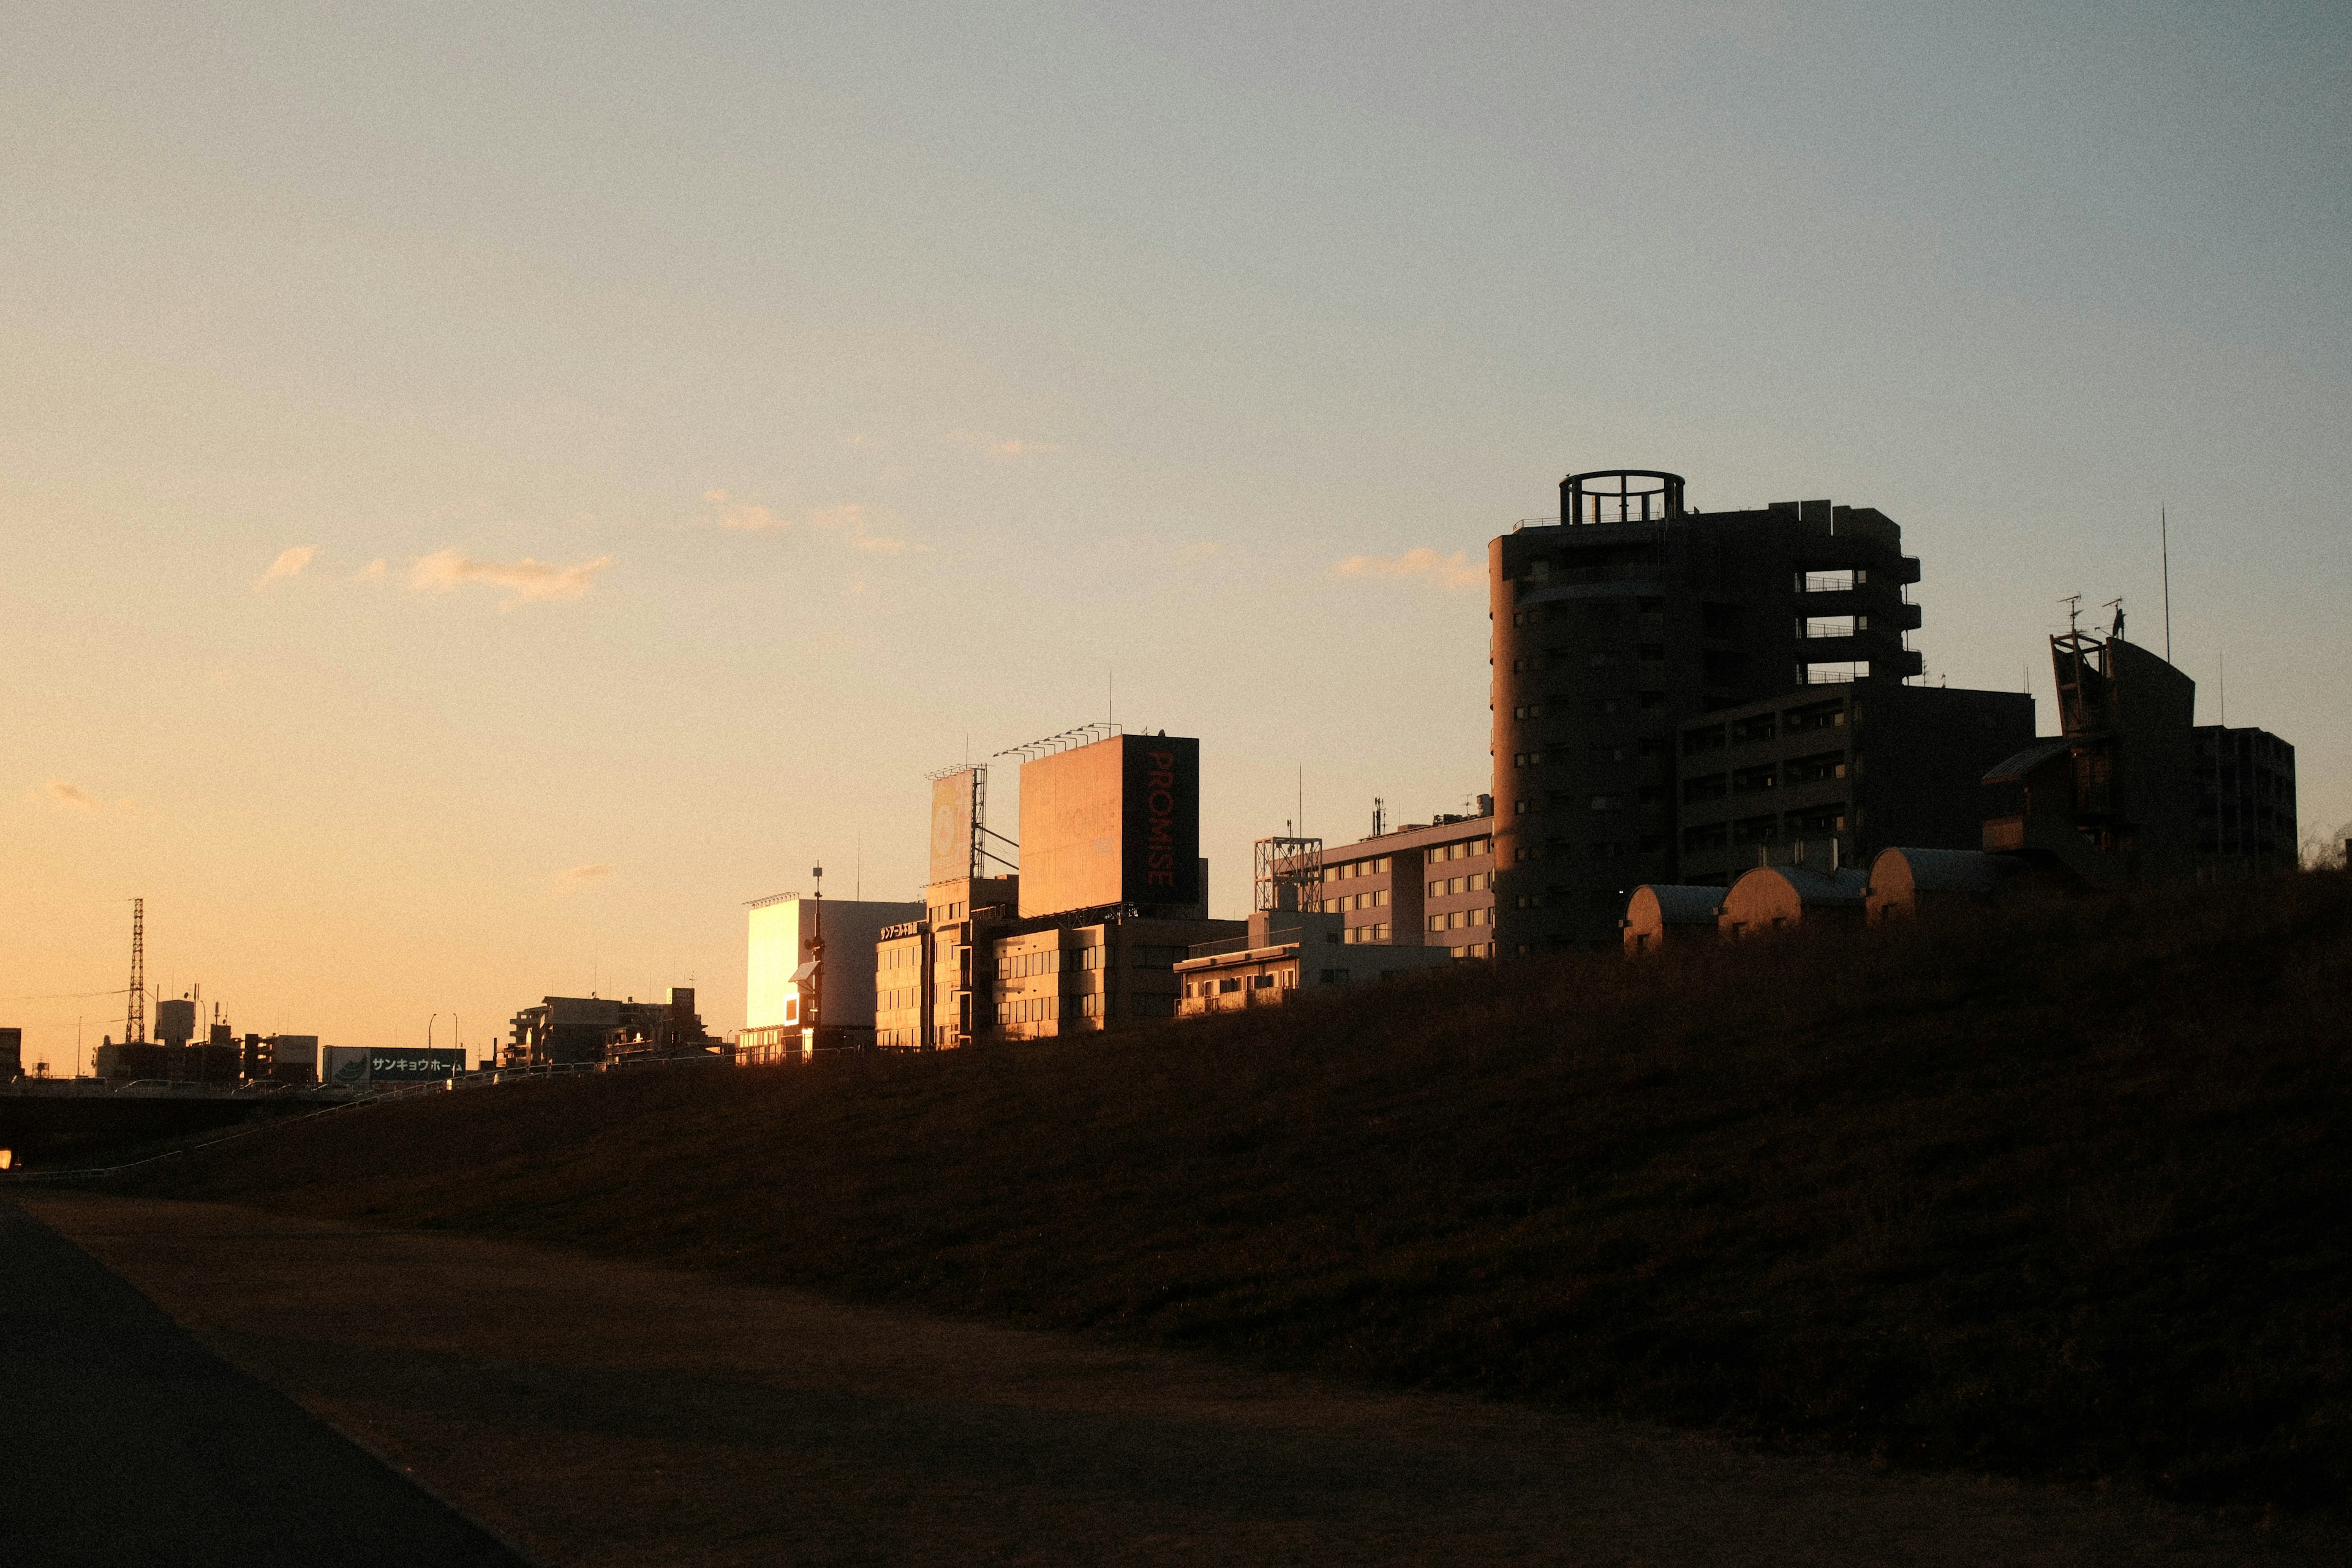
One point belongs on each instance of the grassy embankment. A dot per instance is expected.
(2061, 1191)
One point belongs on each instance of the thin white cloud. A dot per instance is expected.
(595, 872)
(743, 517)
(1454, 571)
(289, 563)
(374, 572)
(526, 582)
(853, 525)
(1003, 448)
(71, 796)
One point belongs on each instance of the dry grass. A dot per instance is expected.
(2061, 1191)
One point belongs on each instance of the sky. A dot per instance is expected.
(485, 491)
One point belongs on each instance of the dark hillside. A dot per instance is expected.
(2061, 1191)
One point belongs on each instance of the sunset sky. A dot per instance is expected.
(485, 490)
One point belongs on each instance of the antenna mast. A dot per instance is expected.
(134, 1021)
(2164, 546)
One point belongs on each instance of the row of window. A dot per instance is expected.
(1529, 805)
(1767, 775)
(1474, 882)
(1354, 868)
(898, 996)
(1366, 932)
(1755, 727)
(1370, 900)
(1817, 823)
(1599, 849)
(1053, 961)
(1279, 980)
(1459, 919)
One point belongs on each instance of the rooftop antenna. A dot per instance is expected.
(2163, 544)
(818, 873)
(2074, 603)
(1380, 822)
(2116, 631)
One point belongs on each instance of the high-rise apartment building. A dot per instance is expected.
(1628, 615)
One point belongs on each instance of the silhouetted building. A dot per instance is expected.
(1630, 616)
(12, 1054)
(1865, 766)
(2112, 797)
(589, 1028)
(2245, 801)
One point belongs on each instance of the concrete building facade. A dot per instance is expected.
(1423, 884)
(1284, 954)
(1623, 618)
(1863, 766)
(2245, 801)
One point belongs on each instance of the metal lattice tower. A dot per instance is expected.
(134, 1021)
(1289, 873)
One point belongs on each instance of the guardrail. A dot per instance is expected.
(353, 1098)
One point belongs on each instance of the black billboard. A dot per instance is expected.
(1160, 791)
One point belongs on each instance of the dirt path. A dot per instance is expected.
(599, 1412)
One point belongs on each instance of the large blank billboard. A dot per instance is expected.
(951, 825)
(1118, 822)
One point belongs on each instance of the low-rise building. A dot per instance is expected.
(571, 1029)
(1906, 881)
(1661, 916)
(1421, 885)
(1283, 953)
(1775, 898)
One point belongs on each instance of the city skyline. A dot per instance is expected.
(460, 544)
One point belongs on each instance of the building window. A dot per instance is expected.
(1842, 581)
(1477, 881)
(1478, 917)
(1527, 710)
(1437, 923)
(1836, 674)
(1527, 760)
(1832, 626)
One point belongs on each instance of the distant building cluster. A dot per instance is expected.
(1701, 723)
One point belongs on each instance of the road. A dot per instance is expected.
(124, 1442)
(599, 1412)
